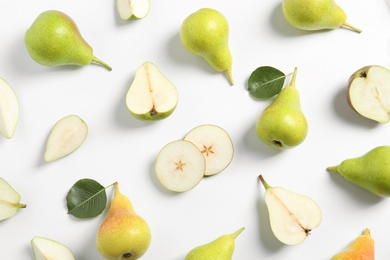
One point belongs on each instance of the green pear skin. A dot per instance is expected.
(205, 33)
(283, 124)
(53, 39)
(370, 171)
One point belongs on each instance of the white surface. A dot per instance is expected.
(120, 148)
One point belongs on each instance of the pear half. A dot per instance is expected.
(292, 215)
(67, 135)
(45, 248)
(180, 166)
(151, 96)
(9, 200)
(9, 109)
(132, 9)
(215, 144)
(369, 93)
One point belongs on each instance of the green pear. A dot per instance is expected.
(53, 39)
(44, 248)
(370, 171)
(221, 248)
(9, 200)
(282, 124)
(363, 247)
(314, 15)
(205, 33)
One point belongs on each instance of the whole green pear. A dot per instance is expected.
(221, 248)
(315, 15)
(53, 39)
(370, 171)
(283, 124)
(205, 33)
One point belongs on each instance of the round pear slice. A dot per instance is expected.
(215, 144)
(180, 166)
(134, 9)
(369, 93)
(67, 135)
(9, 109)
(151, 96)
(9, 200)
(44, 248)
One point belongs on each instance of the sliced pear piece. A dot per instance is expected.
(215, 144)
(67, 135)
(45, 248)
(151, 96)
(132, 9)
(180, 166)
(9, 109)
(292, 215)
(9, 200)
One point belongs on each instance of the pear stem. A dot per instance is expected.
(294, 77)
(352, 27)
(265, 184)
(96, 60)
(235, 234)
(332, 168)
(230, 76)
(366, 232)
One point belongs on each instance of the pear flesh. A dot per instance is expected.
(53, 39)
(151, 96)
(314, 15)
(292, 215)
(369, 93)
(67, 135)
(45, 248)
(221, 248)
(370, 171)
(132, 9)
(124, 235)
(205, 33)
(282, 124)
(9, 109)
(9, 200)
(363, 247)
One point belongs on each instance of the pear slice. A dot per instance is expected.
(67, 135)
(215, 144)
(180, 166)
(9, 109)
(9, 200)
(292, 215)
(369, 93)
(45, 248)
(132, 9)
(151, 96)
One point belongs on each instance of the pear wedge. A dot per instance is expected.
(9, 109)
(9, 200)
(151, 96)
(67, 135)
(45, 248)
(134, 9)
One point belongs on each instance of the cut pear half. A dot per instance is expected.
(151, 96)
(45, 248)
(369, 93)
(292, 215)
(132, 9)
(215, 144)
(9, 200)
(180, 166)
(9, 109)
(67, 135)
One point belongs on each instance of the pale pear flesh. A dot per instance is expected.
(363, 248)
(151, 95)
(45, 248)
(67, 135)
(9, 109)
(132, 9)
(215, 144)
(9, 200)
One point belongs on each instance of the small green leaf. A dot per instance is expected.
(265, 82)
(86, 199)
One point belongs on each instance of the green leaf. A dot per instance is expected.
(86, 199)
(265, 82)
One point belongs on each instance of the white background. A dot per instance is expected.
(121, 148)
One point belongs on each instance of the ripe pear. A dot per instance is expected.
(315, 15)
(370, 171)
(123, 234)
(283, 124)
(205, 33)
(221, 248)
(53, 39)
(9, 109)
(361, 248)
(9, 200)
